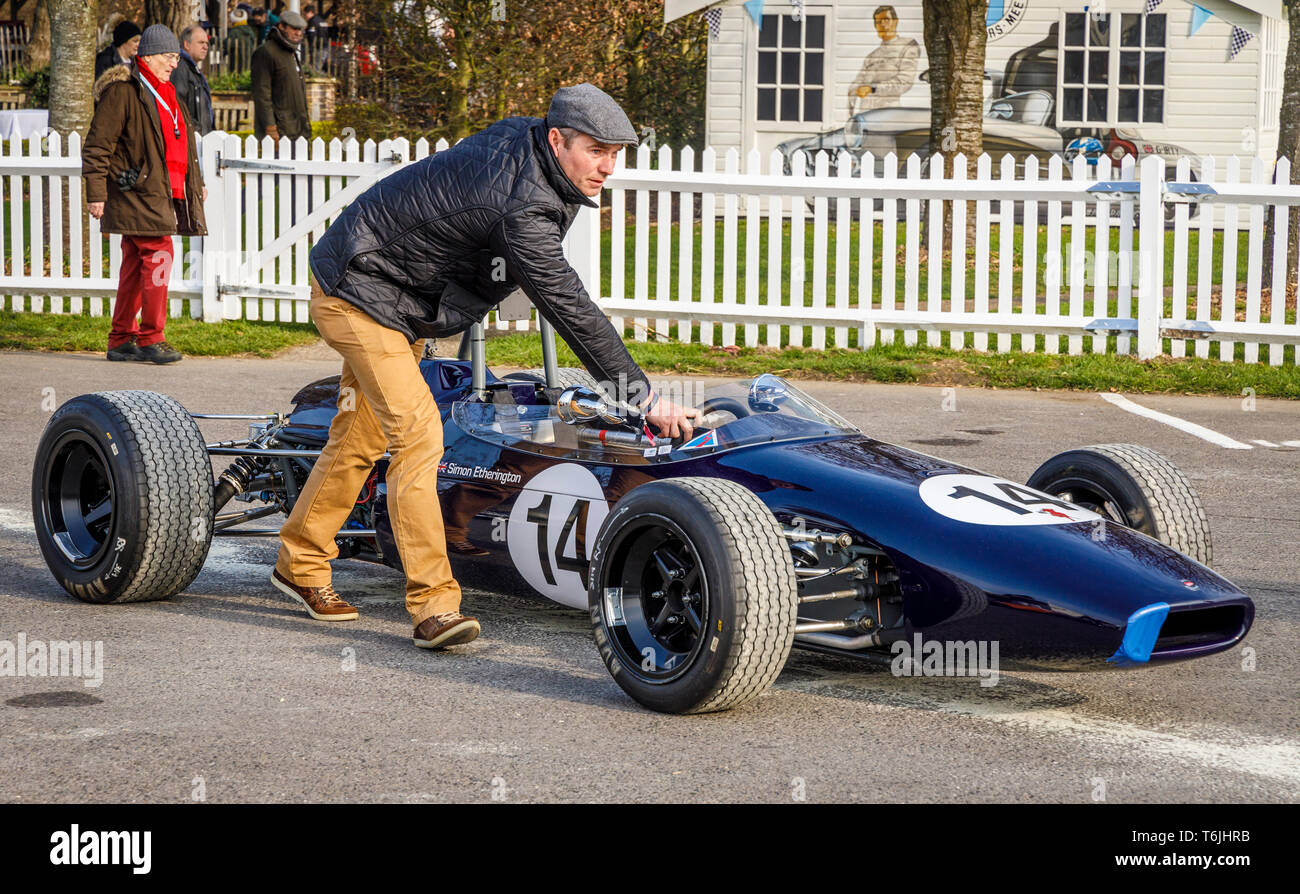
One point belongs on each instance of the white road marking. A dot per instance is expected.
(1214, 747)
(16, 521)
(1262, 443)
(1191, 428)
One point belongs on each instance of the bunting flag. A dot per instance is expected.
(1240, 37)
(713, 16)
(1200, 15)
(1152, 4)
(755, 10)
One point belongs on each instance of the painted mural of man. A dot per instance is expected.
(889, 70)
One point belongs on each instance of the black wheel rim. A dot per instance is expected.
(655, 599)
(79, 500)
(1090, 495)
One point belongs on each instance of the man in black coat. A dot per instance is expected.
(279, 92)
(192, 87)
(426, 253)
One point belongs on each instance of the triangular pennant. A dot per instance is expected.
(1200, 15)
(1152, 4)
(1240, 37)
(755, 10)
(714, 17)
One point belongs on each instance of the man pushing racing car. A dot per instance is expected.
(426, 253)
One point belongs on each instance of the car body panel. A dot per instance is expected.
(977, 557)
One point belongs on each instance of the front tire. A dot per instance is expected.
(122, 497)
(693, 595)
(1135, 486)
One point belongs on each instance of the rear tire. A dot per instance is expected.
(709, 554)
(567, 376)
(1135, 486)
(122, 497)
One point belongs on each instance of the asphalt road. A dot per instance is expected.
(229, 693)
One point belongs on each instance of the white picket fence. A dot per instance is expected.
(725, 257)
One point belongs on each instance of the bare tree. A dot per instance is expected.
(38, 48)
(955, 40)
(72, 64)
(1288, 142)
(175, 14)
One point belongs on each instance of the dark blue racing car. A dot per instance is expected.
(701, 562)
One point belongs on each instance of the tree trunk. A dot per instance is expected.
(175, 14)
(458, 105)
(955, 39)
(1288, 145)
(72, 65)
(38, 49)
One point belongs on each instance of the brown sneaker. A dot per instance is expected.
(446, 629)
(322, 603)
(465, 548)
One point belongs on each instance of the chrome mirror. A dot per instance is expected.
(578, 404)
(767, 393)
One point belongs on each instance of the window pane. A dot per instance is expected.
(790, 31)
(766, 104)
(812, 69)
(1130, 30)
(1153, 105)
(1155, 73)
(767, 68)
(790, 105)
(1096, 103)
(1099, 31)
(1074, 25)
(1073, 67)
(767, 34)
(1128, 105)
(1072, 100)
(1098, 67)
(1130, 68)
(812, 105)
(789, 68)
(815, 38)
(1156, 30)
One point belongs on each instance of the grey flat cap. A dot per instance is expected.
(590, 110)
(158, 39)
(293, 19)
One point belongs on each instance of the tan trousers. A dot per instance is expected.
(384, 402)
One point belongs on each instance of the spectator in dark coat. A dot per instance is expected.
(126, 37)
(279, 94)
(192, 87)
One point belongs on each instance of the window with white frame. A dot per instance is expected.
(791, 68)
(1112, 69)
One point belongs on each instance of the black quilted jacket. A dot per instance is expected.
(430, 249)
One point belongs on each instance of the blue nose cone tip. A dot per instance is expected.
(1140, 635)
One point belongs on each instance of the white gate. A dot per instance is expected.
(267, 205)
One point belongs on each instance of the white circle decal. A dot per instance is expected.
(552, 531)
(984, 500)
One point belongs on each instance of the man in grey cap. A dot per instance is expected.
(279, 92)
(426, 253)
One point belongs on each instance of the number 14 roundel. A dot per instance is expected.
(552, 529)
(984, 500)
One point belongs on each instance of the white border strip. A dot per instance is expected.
(1191, 428)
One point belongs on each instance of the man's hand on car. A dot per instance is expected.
(671, 420)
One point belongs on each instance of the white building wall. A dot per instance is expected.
(1213, 106)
